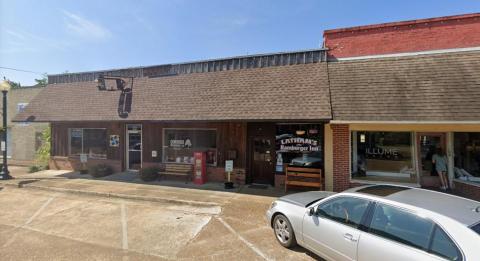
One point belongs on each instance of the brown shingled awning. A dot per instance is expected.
(427, 88)
(293, 92)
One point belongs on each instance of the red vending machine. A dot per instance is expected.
(200, 168)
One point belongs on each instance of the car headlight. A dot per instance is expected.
(274, 203)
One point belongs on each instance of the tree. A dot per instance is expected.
(42, 81)
(14, 85)
(42, 156)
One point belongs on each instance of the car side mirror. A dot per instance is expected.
(311, 211)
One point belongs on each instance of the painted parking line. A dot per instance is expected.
(123, 215)
(38, 212)
(250, 245)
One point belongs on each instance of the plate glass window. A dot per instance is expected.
(92, 142)
(467, 156)
(179, 145)
(299, 145)
(383, 156)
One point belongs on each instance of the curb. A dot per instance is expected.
(115, 195)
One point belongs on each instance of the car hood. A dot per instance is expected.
(304, 199)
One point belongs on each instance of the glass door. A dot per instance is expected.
(134, 147)
(427, 145)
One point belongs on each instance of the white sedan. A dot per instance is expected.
(379, 222)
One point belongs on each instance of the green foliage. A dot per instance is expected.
(42, 81)
(15, 85)
(100, 170)
(149, 174)
(43, 153)
(33, 169)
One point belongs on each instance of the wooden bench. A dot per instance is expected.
(185, 170)
(303, 177)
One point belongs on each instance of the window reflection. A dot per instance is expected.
(467, 156)
(383, 156)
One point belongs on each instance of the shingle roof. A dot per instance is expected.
(291, 92)
(434, 87)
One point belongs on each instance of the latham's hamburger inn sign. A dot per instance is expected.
(298, 144)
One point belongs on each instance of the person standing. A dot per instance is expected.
(440, 161)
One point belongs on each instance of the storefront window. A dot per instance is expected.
(299, 145)
(467, 156)
(383, 156)
(92, 142)
(179, 145)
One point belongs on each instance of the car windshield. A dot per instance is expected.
(476, 228)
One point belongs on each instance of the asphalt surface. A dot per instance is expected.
(58, 225)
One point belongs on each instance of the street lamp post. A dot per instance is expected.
(4, 173)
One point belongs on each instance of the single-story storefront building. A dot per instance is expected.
(261, 111)
(391, 114)
(358, 120)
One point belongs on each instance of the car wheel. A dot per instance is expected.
(283, 231)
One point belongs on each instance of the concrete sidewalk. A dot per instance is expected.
(127, 185)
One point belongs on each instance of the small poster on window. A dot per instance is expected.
(114, 140)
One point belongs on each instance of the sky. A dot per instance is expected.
(56, 36)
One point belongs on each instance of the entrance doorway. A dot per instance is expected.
(262, 162)
(427, 144)
(134, 147)
(261, 153)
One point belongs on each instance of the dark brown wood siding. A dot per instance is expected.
(230, 136)
(60, 142)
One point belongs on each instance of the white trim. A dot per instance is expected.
(401, 122)
(440, 51)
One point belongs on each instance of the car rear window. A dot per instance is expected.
(382, 190)
(476, 228)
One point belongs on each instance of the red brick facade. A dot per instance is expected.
(399, 37)
(467, 190)
(341, 156)
(73, 163)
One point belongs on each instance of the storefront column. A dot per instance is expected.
(341, 156)
(450, 155)
(328, 157)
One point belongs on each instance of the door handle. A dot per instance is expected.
(349, 237)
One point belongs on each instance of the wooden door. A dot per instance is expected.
(262, 159)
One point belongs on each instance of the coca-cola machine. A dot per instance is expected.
(199, 167)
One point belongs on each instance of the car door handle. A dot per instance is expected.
(349, 237)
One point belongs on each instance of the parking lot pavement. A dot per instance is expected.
(48, 225)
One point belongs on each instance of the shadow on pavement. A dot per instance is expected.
(133, 178)
(300, 249)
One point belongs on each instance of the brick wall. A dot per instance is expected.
(341, 156)
(467, 190)
(217, 174)
(410, 36)
(73, 163)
